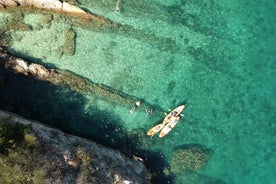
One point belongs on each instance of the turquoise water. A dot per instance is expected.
(218, 58)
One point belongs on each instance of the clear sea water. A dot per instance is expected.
(216, 57)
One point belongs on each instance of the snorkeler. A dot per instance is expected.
(137, 104)
(149, 112)
(117, 7)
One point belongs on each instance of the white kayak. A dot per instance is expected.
(166, 120)
(173, 121)
(155, 129)
(174, 112)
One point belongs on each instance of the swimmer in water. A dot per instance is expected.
(117, 7)
(137, 104)
(149, 112)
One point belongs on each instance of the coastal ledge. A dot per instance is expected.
(104, 165)
(56, 6)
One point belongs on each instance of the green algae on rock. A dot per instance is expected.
(17, 143)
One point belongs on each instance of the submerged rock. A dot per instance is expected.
(68, 48)
(70, 159)
(189, 157)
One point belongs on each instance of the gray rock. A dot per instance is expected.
(54, 5)
(8, 3)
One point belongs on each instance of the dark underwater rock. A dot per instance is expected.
(2, 81)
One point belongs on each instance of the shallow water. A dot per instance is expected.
(218, 58)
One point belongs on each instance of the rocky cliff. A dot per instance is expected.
(70, 159)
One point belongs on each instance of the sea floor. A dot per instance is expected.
(217, 58)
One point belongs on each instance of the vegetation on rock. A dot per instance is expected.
(19, 154)
(33, 153)
(85, 170)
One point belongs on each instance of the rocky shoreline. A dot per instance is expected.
(105, 165)
(52, 5)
